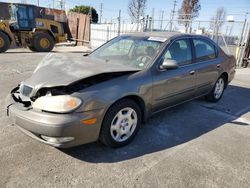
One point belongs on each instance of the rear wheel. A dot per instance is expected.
(121, 123)
(4, 42)
(42, 42)
(218, 90)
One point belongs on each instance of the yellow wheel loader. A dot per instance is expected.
(25, 29)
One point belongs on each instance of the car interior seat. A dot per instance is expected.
(177, 53)
(150, 51)
(201, 50)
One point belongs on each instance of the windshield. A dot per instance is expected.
(133, 51)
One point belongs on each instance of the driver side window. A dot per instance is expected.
(179, 51)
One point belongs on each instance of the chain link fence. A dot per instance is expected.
(231, 36)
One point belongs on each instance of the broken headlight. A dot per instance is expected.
(57, 104)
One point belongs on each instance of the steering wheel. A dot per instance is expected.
(144, 59)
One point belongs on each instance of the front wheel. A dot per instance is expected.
(121, 123)
(218, 90)
(4, 42)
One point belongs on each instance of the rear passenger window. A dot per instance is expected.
(204, 50)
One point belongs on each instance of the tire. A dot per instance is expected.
(42, 42)
(114, 134)
(218, 90)
(32, 48)
(4, 42)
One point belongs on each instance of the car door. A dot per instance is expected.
(207, 65)
(177, 85)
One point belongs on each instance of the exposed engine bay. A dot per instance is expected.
(23, 94)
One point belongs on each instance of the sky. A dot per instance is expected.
(237, 8)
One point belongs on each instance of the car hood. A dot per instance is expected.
(61, 70)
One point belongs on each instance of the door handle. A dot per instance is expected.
(192, 72)
(218, 65)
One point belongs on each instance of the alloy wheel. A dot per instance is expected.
(219, 88)
(124, 124)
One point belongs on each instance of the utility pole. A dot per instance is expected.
(61, 4)
(119, 23)
(38, 3)
(241, 41)
(152, 18)
(172, 16)
(244, 27)
(101, 11)
(90, 14)
(147, 23)
(162, 14)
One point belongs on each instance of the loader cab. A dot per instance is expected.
(22, 17)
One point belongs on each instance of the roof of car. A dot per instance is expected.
(164, 34)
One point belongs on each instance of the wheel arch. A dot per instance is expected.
(45, 31)
(138, 100)
(225, 74)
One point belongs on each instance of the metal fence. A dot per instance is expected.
(231, 36)
(101, 33)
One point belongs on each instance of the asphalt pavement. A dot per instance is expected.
(196, 144)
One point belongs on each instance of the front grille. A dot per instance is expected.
(25, 90)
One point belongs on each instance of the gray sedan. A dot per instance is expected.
(107, 94)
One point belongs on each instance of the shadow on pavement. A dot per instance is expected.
(172, 127)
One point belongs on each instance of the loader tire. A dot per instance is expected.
(4, 42)
(32, 48)
(42, 42)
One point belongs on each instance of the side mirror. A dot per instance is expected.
(169, 64)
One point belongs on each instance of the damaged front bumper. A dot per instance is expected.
(58, 130)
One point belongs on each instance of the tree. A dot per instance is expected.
(136, 9)
(86, 10)
(188, 11)
(218, 20)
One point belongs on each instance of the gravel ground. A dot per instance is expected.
(197, 144)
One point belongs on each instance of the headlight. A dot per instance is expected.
(58, 104)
